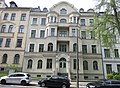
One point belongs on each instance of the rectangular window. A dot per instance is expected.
(21, 29)
(74, 19)
(83, 34)
(31, 48)
(19, 43)
(73, 32)
(10, 28)
(62, 48)
(1, 41)
(109, 68)
(7, 42)
(23, 16)
(74, 63)
(84, 49)
(33, 33)
(91, 21)
(82, 22)
(63, 33)
(107, 53)
(41, 47)
(3, 28)
(118, 67)
(13, 16)
(42, 33)
(92, 33)
(5, 16)
(43, 21)
(116, 53)
(49, 63)
(52, 32)
(34, 21)
(94, 49)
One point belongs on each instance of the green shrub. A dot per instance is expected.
(3, 75)
(110, 76)
(117, 77)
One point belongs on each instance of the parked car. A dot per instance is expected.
(55, 81)
(16, 78)
(104, 84)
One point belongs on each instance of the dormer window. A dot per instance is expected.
(63, 21)
(63, 11)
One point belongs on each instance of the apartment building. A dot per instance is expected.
(52, 40)
(13, 30)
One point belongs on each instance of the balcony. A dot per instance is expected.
(6, 34)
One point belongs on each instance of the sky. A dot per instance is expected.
(85, 4)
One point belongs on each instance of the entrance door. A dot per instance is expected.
(62, 65)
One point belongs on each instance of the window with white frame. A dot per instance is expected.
(42, 33)
(8, 41)
(31, 47)
(52, 32)
(43, 21)
(34, 21)
(49, 64)
(10, 28)
(1, 41)
(5, 16)
(3, 28)
(94, 49)
(63, 11)
(13, 15)
(21, 29)
(23, 16)
(41, 47)
(33, 33)
(107, 53)
(82, 21)
(83, 34)
(116, 53)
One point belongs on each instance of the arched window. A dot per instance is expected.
(29, 66)
(95, 65)
(63, 20)
(4, 59)
(85, 65)
(63, 11)
(74, 47)
(16, 59)
(39, 66)
(50, 47)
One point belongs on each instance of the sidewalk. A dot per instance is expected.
(73, 84)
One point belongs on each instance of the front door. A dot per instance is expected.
(62, 65)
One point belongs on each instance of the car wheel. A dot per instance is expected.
(42, 84)
(3, 81)
(63, 86)
(23, 83)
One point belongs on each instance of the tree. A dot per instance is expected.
(107, 22)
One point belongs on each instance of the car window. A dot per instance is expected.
(20, 75)
(28, 75)
(12, 75)
(54, 78)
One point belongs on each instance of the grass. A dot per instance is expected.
(3, 75)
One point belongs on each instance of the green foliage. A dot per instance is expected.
(117, 77)
(3, 75)
(109, 76)
(11, 67)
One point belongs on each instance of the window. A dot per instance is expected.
(93, 48)
(16, 59)
(118, 67)
(5, 16)
(52, 32)
(30, 62)
(43, 21)
(1, 41)
(74, 19)
(19, 43)
(50, 47)
(85, 65)
(116, 53)
(82, 22)
(10, 28)
(74, 47)
(83, 34)
(74, 63)
(63, 33)
(7, 42)
(91, 21)
(95, 65)
(4, 59)
(21, 29)
(62, 47)
(39, 66)
(49, 63)
(41, 47)
(3, 28)
(63, 11)
(23, 17)
(42, 33)
(73, 32)
(109, 68)
(34, 21)
(84, 49)
(33, 33)
(63, 21)
(86, 77)
(31, 48)
(13, 16)
(107, 53)
(92, 33)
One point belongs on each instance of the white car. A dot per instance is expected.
(16, 78)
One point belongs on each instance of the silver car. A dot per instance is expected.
(16, 78)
